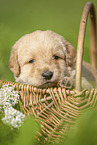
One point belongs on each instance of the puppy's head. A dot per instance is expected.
(41, 59)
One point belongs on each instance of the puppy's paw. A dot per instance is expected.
(67, 83)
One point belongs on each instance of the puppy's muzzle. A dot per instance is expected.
(47, 75)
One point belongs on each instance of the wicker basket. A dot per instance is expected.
(58, 108)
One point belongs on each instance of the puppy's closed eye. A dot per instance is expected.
(31, 61)
(58, 54)
(56, 57)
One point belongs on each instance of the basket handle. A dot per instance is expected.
(89, 7)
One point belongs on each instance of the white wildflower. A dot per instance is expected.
(13, 117)
(8, 98)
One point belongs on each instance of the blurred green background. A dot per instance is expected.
(19, 17)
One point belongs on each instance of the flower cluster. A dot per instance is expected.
(8, 98)
(13, 117)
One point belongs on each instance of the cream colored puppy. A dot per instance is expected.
(42, 59)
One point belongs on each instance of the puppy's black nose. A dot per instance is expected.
(47, 75)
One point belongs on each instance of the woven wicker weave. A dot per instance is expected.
(57, 108)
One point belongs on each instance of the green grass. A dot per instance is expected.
(19, 17)
(25, 135)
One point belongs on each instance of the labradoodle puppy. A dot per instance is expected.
(45, 59)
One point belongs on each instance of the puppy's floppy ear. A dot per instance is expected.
(13, 63)
(70, 54)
